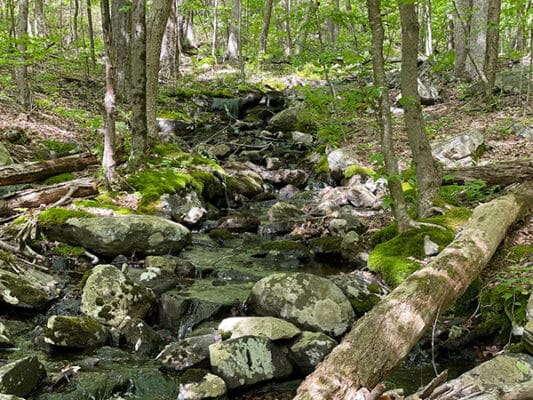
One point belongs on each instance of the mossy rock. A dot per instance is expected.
(394, 259)
(102, 204)
(330, 245)
(58, 216)
(75, 332)
(358, 170)
(68, 176)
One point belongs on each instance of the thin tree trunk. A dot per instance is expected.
(21, 71)
(157, 21)
(41, 29)
(383, 337)
(121, 20)
(288, 31)
(461, 34)
(108, 157)
(215, 29)
(91, 34)
(234, 38)
(493, 41)
(477, 41)
(75, 23)
(429, 31)
(139, 128)
(169, 47)
(426, 168)
(266, 26)
(399, 206)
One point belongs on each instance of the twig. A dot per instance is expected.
(433, 341)
(66, 197)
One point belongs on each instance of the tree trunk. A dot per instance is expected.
(169, 47)
(34, 198)
(41, 29)
(491, 52)
(34, 171)
(108, 157)
(461, 35)
(234, 38)
(121, 22)
(429, 31)
(288, 31)
(157, 21)
(214, 38)
(91, 34)
(477, 41)
(139, 129)
(501, 173)
(426, 168)
(75, 23)
(399, 206)
(266, 26)
(21, 71)
(382, 338)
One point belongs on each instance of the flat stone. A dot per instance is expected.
(272, 328)
(21, 377)
(75, 332)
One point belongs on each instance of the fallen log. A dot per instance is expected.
(34, 171)
(501, 173)
(34, 198)
(383, 337)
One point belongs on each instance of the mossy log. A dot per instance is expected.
(34, 171)
(381, 339)
(501, 173)
(33, 198)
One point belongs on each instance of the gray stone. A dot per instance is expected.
(523, 130)
(185, 208)
(302, 138)
(272, 328)
(459, 150)
(75, 332)
(21, 377)
(137, 336)
(109, 296)
(339, 160)
(208, 387)
(296, 177)
(363, 289)
(126, 234)
(514, 81)
(191, 352)
(309, 349)
(286, 120)
(5, 157)
(529, 310)
(240, 222)
(248, 360)
(159, 279)
(308, 301)
(29, 289)
(527, 337)
(360, 196)
(9, 397)
(491, 379)
(352, 248)
(5, 339)
(287, 192)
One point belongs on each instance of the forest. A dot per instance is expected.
(279, 199)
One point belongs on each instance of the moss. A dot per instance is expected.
(322, 166)
(84, 278)
(103, 204)
(68, 176)
(220, 234)
(155, 182)
(284, 245)
(20, 220)
(61, 148)
(394, 259)
(166, 150)
(358, 170)
(384, 234)
(57, 216)
(326, 245)
(68, 251)
(193, 375)
(454, 218)
(466, 304)
(23, 291)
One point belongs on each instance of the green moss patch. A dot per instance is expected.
(358, 170)
(68, 176)
(68, 251)
(103, 203)
(57, 216)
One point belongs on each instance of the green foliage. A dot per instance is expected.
(68, 251)
(67, 176)
(101, 202)
(468, 194)
(155, 182)
(358, 170)
(57, 216)
(61, 148)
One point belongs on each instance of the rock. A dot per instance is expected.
(360, 196)
(192, 352)
(280, 177)
(109, 296)
(206, 386)
(169, 127)
(327, 246)
(301, 138)
(5, 157)
(459, 150)
(308, 301)
(339, 160)
(527, 337)
(363, 289)
(240, 222)
(75, 332)
(523, 130)
(9, 397)
(286, 120)
(185, 208)
(126, 234)
(429, 94)
(30, 289)
(16, 135)
(272, 328)
(283, 217)
(514, 81)
(159, 273)
(168, 263)
(287, 192)
(529, 310)
(244, 182)
(21, 377)
(285, 253)
(248, 360)
(352, 248)
(137, 336)
(219, 151)
(491, 379)
(430, 248)
(5, 340)
(309, 349)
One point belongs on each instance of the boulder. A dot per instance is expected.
(240, 222)
(109, 296)
(522, 130)
(339, 160)
(280, 177)
(247, 360)
(159, 273)
(309, 349)
(204, 386)
(352, 249)
(5, 338)
(138, 337)
(360, 196)
(458, 150)
(29, 289)
(301, 138)
(75, 332)
(285, 253)
(286, 120)
(272, 328)
(21, 377)
(363, 289)
(167, 263)
(125, 234)
(185, 208)
(308, 301)
(527, 337)
(192, 352)
(5, 157)
(326, 247)
(516, 80)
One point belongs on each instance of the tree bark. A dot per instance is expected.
(41, 29)
(501, 173)
(157, 21)
(91, 34)
(382, 338)
(399, 206)
(21, 71)
(477, 41)
(461, 35)
(121, 24)
(234, 37)
(34, 171)
(426, 168)
(214, 37)
(266, 26)
(34, 198)
(493, 41)
(139, 128)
